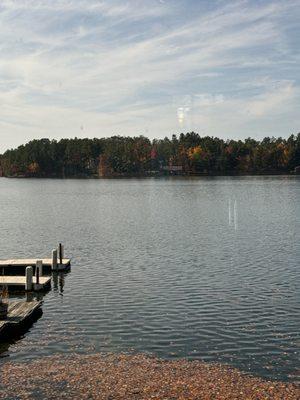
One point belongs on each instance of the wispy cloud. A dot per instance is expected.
(123, 66)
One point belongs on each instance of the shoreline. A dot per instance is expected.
(156, 176)
(134, 376)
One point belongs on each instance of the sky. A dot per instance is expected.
(97, 68)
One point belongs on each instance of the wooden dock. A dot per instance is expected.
(21, 264)
(20, 313)
(19, 282)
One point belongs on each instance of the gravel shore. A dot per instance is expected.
(133, 377)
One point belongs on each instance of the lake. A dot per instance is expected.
(202, 268)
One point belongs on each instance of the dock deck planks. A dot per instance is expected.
(19, 312)
(21, 281)
(32, 262)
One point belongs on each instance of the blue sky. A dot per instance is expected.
(98, 68)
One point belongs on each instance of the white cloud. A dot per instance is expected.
(270, 101)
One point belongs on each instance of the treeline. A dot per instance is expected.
(184, 154)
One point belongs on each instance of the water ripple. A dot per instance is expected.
(161, 266)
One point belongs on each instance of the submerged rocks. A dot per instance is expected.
(126, 376)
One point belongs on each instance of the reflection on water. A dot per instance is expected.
(204, 268)
(232, 214)
(58, 282)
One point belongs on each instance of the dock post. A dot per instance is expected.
(54, 260)
(29, 297)
(61, 253)
(29, 274)
(39, 266)
(37, 275)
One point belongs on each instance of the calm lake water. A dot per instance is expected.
(203, 268)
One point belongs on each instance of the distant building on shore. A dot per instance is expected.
(173, 169)
(297, 170)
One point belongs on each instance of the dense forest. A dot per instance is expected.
(122, 156)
